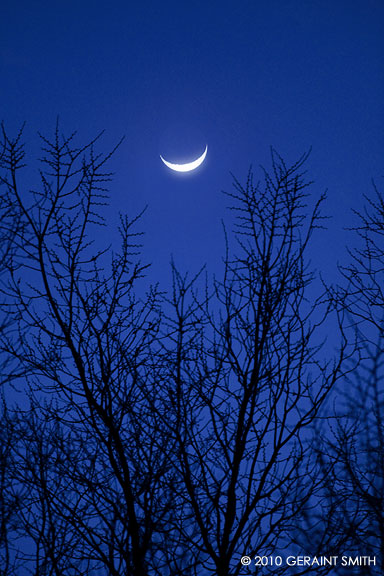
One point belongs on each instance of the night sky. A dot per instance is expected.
(175, 76)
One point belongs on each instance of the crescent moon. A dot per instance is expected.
(189, 165)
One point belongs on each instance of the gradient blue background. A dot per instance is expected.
(173, 76)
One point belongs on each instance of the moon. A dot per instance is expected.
(188, 166)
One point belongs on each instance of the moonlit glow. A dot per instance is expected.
(189, 165)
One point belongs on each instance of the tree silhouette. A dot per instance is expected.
(351, 453)
(158, 434)
(81, 335)
(245, 380)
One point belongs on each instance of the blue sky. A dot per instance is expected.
(175, 76)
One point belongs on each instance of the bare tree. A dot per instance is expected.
(10, 225)
(9, 215)
(160, 434)
(79, 334)
(351, 450)
(246, 379)
(9, 498)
